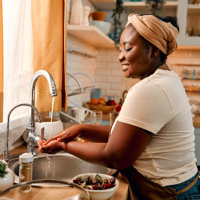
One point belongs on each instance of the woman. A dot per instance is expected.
(152, 140)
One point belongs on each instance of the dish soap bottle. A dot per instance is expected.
(25, 171)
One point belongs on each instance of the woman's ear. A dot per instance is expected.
(154, 51)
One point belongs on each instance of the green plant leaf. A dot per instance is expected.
(3, 171)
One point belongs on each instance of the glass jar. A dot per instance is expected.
(25, 171)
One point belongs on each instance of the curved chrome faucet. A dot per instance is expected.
(30, 136)
(52, 88)
(6, 151)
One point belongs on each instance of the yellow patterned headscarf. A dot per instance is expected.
(159, 33)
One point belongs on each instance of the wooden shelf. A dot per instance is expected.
(91, 35)
(193, 9)
(110, 4)
(104, 4)
(143, 4)
(188, 47)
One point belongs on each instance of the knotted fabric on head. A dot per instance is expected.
(159, 33)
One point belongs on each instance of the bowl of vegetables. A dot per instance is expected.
(100, 186)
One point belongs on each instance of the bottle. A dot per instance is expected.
(86, 11)
(25, 171)
(76, 12)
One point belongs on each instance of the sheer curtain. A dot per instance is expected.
(33, 33)
(17, 33)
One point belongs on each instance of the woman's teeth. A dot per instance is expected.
(124, 67)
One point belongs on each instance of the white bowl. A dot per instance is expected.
(102, 25)
(100, 194)
(50, 128)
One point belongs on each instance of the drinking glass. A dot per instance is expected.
(96, 117)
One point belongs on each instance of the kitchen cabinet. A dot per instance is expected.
(189, 22)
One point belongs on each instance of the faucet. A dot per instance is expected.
(6, 151)
(52, 88)
(30, 136)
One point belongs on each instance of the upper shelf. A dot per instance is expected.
(143, 4)
(91, 35)
(104, 4)
(110, 4)
(193, 9)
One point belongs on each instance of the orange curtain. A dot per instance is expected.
(48, 21)
(1, 63)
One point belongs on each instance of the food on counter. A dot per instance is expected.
(94, 101)
(111, 103)
(95, 182)
(102, 101)
(118, 108)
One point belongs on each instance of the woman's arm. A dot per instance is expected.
(95, 133)
(124, 146)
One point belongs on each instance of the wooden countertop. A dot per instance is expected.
(49, 193)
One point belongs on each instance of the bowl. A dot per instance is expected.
(97, 15)
(104, 108)
(102, 25)
(99, 194)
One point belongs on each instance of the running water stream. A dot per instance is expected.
(52, 107)
(49, 166)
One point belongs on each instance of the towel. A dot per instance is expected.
(159, 33)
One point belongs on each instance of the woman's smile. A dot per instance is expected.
(125, 67)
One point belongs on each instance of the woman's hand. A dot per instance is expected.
(52, 147)
(66, 135)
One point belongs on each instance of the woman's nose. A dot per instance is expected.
(121, 56)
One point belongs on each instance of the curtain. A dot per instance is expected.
(1, 64)
(17, 44)
(48, 50)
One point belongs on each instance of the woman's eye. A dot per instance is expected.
(128, 49)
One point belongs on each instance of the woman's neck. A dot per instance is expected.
(164, 67)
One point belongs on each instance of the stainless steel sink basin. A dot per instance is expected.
(61, 166)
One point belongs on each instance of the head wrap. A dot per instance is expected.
(159, 33)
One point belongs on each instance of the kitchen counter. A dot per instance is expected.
(121, 193)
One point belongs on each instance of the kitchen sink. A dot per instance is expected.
(61, 166)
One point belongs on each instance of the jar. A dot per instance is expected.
(85, 21)
(25, 171)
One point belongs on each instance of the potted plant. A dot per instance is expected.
(115, 35)
(156, 5)
(6, 176)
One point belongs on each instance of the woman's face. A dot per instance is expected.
(134, 56)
